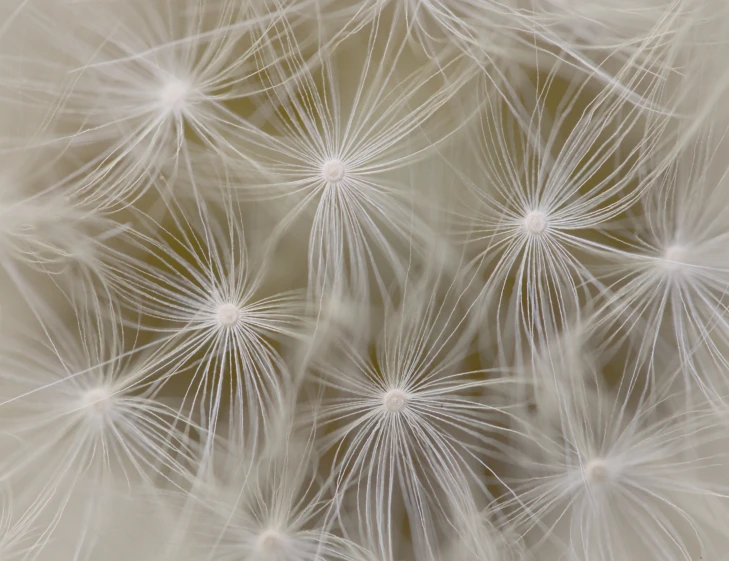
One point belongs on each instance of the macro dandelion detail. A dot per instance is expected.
(364, 280)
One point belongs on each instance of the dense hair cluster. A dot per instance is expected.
(364, 280)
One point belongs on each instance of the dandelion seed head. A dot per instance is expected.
(395, 401)
(227, 315)
(174, 95)
(333, 171)
(535, 222)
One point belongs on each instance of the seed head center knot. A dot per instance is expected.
(395, 401)
(597, 471)
(270, 541)
(228, 315)
(174, 95)
(333, 171)
(674, 257)
(536, 222)
(96, 400)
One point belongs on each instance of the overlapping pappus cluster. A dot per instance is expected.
(364, 280)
